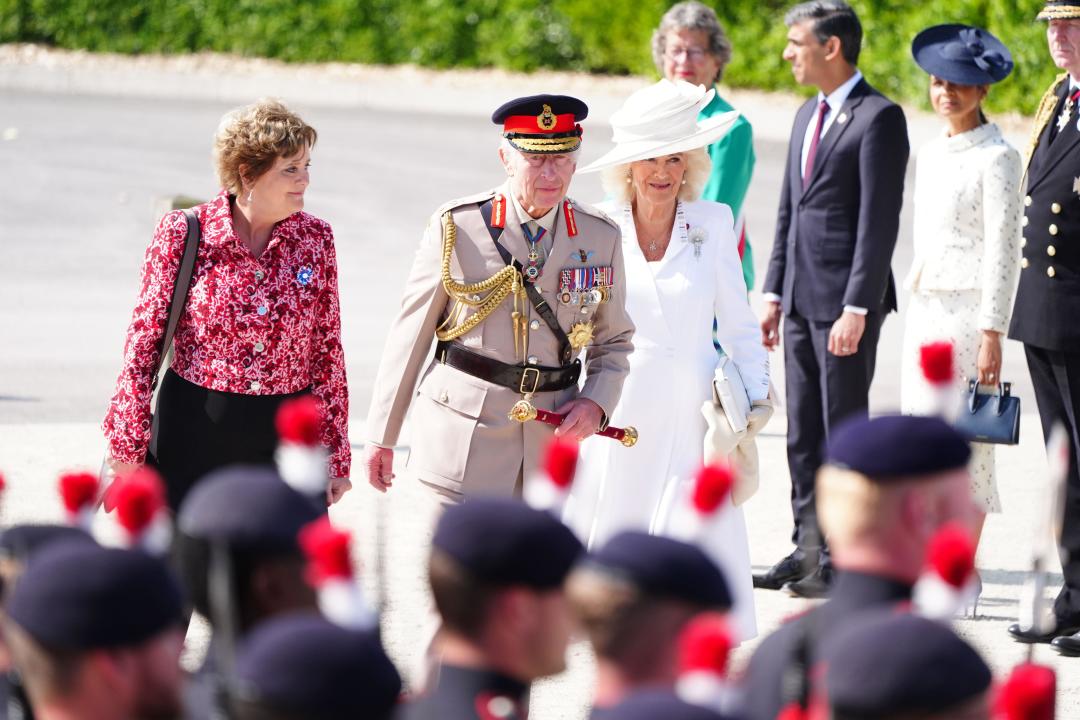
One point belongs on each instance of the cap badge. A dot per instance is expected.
(546, 120)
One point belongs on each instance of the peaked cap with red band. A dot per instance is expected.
(542, 123)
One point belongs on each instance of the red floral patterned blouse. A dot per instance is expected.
(259, 326)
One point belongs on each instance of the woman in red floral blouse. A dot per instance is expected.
(261, 324)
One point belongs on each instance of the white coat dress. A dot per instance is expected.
(673, 303)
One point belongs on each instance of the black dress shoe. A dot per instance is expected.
(789, 569)
(1067, 645)
(817, 584)
(1063, 628)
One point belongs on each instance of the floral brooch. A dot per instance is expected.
(304, 276)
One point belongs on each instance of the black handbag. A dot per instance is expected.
(990, 417)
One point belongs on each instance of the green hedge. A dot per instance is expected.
(605, 36)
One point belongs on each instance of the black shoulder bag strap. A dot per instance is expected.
(566, 354)
(176, 304)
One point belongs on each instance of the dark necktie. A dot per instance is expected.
(823, 110)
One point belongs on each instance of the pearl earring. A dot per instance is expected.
(628, 178)
(684, 182)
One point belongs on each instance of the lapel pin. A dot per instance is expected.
(841, 118)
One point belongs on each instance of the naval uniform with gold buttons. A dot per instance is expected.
(1048, 300)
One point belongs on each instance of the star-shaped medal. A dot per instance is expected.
(1066, 113)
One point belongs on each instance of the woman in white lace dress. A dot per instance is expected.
(967, 230)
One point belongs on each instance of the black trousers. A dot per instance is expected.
(822, 389)
(1056, 377)
(197, 431)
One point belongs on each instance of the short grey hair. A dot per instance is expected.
(830, 18)
(692, 16)
(698, 169)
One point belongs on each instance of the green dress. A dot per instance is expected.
(733, 166)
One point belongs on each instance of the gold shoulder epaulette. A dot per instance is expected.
(1043, 116)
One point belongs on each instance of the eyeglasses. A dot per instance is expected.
(693, 54)
(537, 161)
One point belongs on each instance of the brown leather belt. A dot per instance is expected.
(519, 378)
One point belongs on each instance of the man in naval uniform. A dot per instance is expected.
(514, 283)
(1048, 298)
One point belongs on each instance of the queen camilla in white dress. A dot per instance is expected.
(674, 299)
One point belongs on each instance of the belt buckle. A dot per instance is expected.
(525, 379)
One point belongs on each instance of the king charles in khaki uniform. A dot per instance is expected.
(524, 291)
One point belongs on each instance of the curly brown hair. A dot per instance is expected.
(251, 138)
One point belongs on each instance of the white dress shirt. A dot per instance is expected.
(836, 100)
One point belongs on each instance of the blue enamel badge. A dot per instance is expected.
(304, 275)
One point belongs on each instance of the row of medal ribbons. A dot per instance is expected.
(585, 285)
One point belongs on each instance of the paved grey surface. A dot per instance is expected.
(85, 171)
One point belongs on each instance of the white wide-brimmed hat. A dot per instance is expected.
(662, 120)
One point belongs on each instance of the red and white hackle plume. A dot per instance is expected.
(141, 511)
(709, 493)
(938, 368)
(301, 457)
(79, 493)
(1027, 694)
(704, 649)
(330, 572)
(549, 487)
(949, 582)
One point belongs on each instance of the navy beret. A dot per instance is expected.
(962, 54)
(20, 542)
(654, 704)
(897, 447)
(80, 596)
(248, 507)
(663, 567)
(306, 666)
(505, 542)
(926, 668)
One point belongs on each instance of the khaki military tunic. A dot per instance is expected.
(462, 439)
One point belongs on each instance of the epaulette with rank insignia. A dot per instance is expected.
(474, 199)
(595, 212)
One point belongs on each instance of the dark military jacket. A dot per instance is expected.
(1048, 297)
(763, 682)
(470, 694)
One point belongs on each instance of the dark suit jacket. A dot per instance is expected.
(1047, 304)
(834, 241)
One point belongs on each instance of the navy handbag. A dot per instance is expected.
(990, 417)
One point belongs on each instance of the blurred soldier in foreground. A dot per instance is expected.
(497, 570)
(240, 561)
(891, 666)
(514, 283)
(304, 667)
(96, 634)
(634, 596)
(887, 486)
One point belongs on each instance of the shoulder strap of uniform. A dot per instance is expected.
(538, 302)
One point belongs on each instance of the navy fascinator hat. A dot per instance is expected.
(962, 54)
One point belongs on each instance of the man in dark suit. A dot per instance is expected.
(1048, 298)
(829, 273)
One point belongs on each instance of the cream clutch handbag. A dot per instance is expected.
(732, 424)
